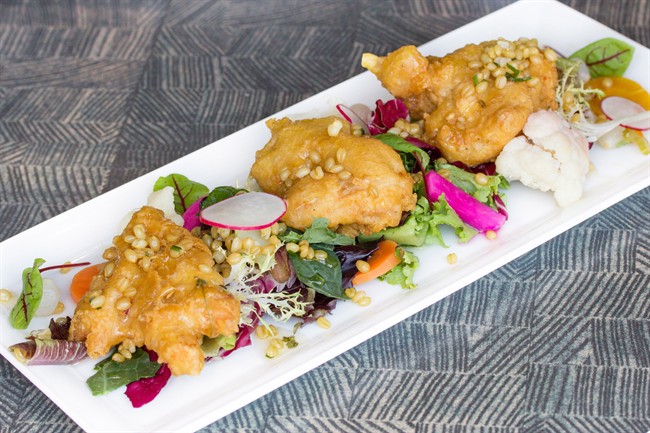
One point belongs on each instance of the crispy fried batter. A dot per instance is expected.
(465, 125)
(174, 302)
(372, 198)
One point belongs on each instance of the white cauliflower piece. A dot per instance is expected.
(163, 199)
(550, 157)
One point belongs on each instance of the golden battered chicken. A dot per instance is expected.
(158, 290)
(323, 170)
(471, 101)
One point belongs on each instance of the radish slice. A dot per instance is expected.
(618, 108)
(250, 211)
(355, 115)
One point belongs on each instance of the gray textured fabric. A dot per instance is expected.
(93, 94)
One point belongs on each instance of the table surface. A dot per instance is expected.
(93, 94)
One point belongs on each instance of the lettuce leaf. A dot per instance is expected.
(421, 227)
(402, 274)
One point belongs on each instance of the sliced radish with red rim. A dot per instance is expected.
(250, 211)
(618, 108)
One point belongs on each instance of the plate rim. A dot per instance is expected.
(208, 411)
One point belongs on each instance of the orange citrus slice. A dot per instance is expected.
(618, 86)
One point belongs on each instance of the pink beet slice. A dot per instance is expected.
(473, 213)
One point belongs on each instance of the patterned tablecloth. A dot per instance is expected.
(93, 94)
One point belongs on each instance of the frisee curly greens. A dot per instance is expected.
(571, 84)
(243, 282)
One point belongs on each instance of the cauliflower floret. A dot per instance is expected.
(551, 156)
(163, 199)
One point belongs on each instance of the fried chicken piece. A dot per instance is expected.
(160, 291)
(468, 121)
(358, 183)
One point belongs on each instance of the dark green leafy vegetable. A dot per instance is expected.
(606, 57)
(324, 276)
(186, 191)
(407, 151)
(112, 375)
(30, 298)
(318, 233)
(402, 274)
(218, 194)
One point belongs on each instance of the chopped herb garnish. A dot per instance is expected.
(176, 248)
(475, 79)
(290, 342)
(514, 76)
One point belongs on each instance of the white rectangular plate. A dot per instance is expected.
(189, 403)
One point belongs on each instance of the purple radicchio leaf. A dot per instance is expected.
(385, 115)
(501, 206)
(60, 328)
(55, 350)
(348, 256)
(49, 352)
(146, 389)
(321, 306)
(283, 271)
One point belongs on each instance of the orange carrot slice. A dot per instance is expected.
(81, 282)
(381, 261)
